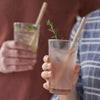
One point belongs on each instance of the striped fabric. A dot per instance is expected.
(88, 86)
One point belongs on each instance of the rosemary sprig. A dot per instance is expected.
(51, 29)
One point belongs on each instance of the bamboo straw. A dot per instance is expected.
(42, 11)
(40, 16)
(59, 74)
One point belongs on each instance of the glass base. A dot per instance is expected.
(59, 91)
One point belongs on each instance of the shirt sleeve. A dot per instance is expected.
(55, 97)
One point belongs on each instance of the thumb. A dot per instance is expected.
(76, 69)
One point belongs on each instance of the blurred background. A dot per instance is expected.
(65, 12)
(62, 13)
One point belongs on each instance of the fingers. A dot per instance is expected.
(16, 57)
(46, 58)
(9, 69)
(17, 61)
(47, 85)
(46, 74)
(23, 68)
(76, 69)
(20, 54)
(12, 52)
(16, 45)
(47, 66)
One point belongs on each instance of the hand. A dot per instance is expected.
(15, 57)
(47, 73)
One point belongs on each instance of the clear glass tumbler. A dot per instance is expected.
(27, 33)
(58, 50)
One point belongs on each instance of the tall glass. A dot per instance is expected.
(26, 33)
(58, 50)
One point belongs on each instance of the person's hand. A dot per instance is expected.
(15, 57)
(47, 73)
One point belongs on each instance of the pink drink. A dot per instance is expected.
(57, 55)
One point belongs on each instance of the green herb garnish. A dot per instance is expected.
(17, 29)
(29, 28)
(51, 29)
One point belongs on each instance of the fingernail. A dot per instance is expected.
(46, 58)
(49, 73)
(45, 85)
(49, 65)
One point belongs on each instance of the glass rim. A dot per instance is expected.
(59, 40)
(24, 23)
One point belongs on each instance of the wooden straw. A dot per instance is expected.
(67, 58)
(40, 16)
(42, 11)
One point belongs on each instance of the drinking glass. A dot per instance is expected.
(27, 33)
(58, 50)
